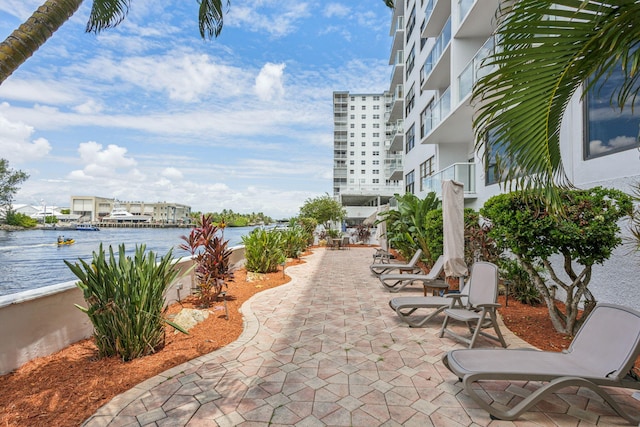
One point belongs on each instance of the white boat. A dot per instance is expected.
(87, 227)
(120, 214)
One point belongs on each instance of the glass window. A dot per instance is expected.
(363, 126)
(363, 162)
(409, 100)
(363, 143)
(376, 107)
(426, 169)
(411, 61)
(364, 153)
(376, 162)
(496, 159)
(376, 171)
(364, 107)
(410, 139)
(363, 117)
(609, 130)
(409, 182)
(352, 144)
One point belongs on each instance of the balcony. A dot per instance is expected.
(398, 105)
(436, 13)
(464, 173)
(464, 6)
(476, 18)
(397, 31)
(441, 44)
(397, 136)
(474, 70)
(437, 112)
(393, 167)
(398, 69)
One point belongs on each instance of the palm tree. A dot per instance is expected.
(545, 52)
(33, 33)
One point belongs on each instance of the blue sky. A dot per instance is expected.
(150, 111)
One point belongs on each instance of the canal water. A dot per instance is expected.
(32, 259)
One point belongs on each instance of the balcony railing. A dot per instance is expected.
(436, 52)
(474, 70)
(461, 172)
(464, 6)
(438, 111)
(429, 9)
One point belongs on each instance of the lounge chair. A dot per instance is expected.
(480, 312)
(381, 256)
(405, 307)
(394, 282)
(409, 267)
(601, 354)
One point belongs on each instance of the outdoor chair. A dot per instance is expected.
(382, 256)
(333, 243)
(410, 267)
(601, 354)
(405, 307)
(480, 311)
(394, 282)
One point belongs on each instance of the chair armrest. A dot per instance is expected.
(458, 296)
(489, 305)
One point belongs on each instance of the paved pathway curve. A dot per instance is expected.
(326, 350)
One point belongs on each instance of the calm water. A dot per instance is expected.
(32, 259)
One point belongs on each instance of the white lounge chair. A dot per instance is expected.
(601, 354)
(410, 267)
(480, 312)
(395, 281)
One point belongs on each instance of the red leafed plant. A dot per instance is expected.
(211, 256)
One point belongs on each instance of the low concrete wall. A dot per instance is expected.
(43, 321)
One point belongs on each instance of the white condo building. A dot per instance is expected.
(367, 172)
(436, 52)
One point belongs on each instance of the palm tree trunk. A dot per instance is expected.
(32, 34)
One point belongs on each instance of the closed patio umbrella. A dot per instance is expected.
(453, 229)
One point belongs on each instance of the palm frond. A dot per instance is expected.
(107, 14)
(211, 18)
(546, 51)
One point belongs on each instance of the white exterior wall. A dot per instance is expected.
(452, 138)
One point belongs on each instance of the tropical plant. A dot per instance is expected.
(324, 209)
(19, 219)
(362, 233)
(406, 226)
(294, 240)
(309, 226)
(263, 250)
(126, 300)
(478, 246)
(545, 52)
(585, 235)
(211, 255)
(9, 180)
(520, 286)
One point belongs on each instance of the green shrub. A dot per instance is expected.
(263, 250)
(294, 241)
(309, 225)
(520, 286)
(126, 300)
(20, 220)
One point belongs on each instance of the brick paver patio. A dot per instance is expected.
(326, 350)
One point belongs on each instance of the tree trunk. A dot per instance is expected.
(32, 34)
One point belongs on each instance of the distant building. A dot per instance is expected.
(98, 209)
(367, 167)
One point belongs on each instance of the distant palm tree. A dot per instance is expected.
(545, 52)
(33, 33)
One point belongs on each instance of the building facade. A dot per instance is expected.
(437, 50)
(94, 209)
(366, 171)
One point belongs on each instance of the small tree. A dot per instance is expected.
(323, 209)
(212, 259)
(585, 235)
(9, 181)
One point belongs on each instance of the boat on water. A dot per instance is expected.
(63, 242)
(120, 214)
(87, 227)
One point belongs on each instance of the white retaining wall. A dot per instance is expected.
(42, 321)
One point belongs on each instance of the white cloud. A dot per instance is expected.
(269, 85)
(15, 144)
(596, 146)
(336, 9)
(279, 21)
(38, 91)
(172, 173)
(89, 107)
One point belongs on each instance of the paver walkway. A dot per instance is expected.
(326, 349)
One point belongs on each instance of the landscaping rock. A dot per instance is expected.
(187, 318)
